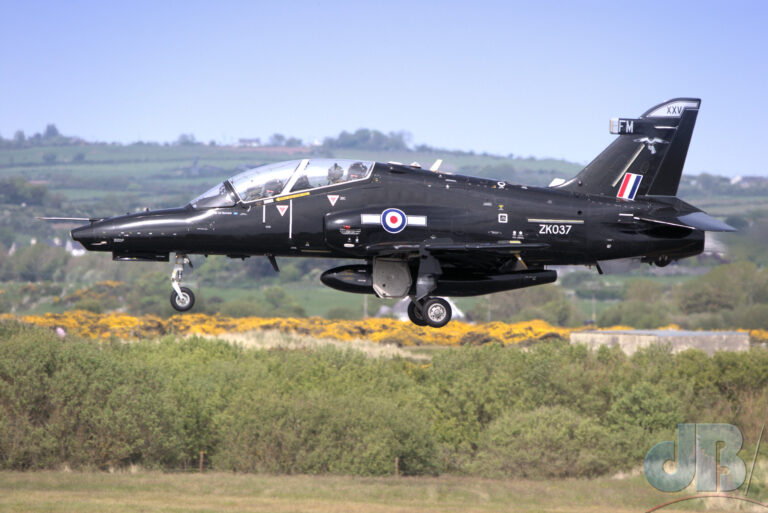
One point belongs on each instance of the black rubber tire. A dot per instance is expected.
(186, 305)
(437, 312)
(415, 316)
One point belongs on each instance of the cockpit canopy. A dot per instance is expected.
(282, 178)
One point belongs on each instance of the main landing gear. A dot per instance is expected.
(182, 298)
(430, 311)
(425, 310)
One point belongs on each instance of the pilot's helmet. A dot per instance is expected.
(335, 173)
(273, 187)
(356, 171)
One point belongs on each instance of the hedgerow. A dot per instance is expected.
(547, 410)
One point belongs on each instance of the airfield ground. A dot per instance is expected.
(150, 492)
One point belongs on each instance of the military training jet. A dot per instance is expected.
(424, 233)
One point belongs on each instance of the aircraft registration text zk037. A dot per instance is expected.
(555, 229)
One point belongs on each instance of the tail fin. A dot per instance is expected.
(648, 156)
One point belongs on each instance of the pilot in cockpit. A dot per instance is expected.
(271, 188)
(335, 174)
(356, 171)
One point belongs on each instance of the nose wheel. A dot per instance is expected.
(430, 311)
(182, 298)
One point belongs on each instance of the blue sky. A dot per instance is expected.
(538, 78)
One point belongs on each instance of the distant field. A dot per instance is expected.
(60, 492)
(171, 175)
(315, 298)
(724, 206)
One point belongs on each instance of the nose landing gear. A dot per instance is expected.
(182, 298)
(662, 261)
(430, 311)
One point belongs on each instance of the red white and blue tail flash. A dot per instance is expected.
(629, 186)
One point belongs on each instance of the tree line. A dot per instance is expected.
(48, 137)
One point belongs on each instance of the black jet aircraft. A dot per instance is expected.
(424, 233)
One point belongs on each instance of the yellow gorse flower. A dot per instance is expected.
(387, 331)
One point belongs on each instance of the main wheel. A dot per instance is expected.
(436, 311)
(415, 315)
(662, 261)
(185, 301)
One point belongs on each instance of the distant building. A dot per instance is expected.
(74, 248)
(249, 143)
(746, 182)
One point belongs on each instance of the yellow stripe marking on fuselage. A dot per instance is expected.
(292, 196)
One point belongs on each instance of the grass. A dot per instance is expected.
(68, 492)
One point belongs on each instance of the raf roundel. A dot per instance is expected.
(393, 220)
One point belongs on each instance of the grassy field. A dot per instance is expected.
(150, 492)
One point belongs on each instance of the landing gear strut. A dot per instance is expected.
(430, 311)
(182, 298)
(424, 310)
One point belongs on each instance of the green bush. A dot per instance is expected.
(635, 313)
(546, 302)
(274, 303)
(322, 433)
(26, 370)
(107, 412)
(549, 442)
(752, 317)
(243, 308)
(340, 312)
(89, 304)
(77, 404)
(549, 410)
(724, 288)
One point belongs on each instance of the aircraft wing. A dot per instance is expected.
(437, 247)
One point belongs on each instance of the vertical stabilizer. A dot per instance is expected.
(646, 158)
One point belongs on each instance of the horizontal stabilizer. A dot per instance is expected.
(702, 221)
(695, 220)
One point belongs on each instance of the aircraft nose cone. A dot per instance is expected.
(89, 238)
(82, 235)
